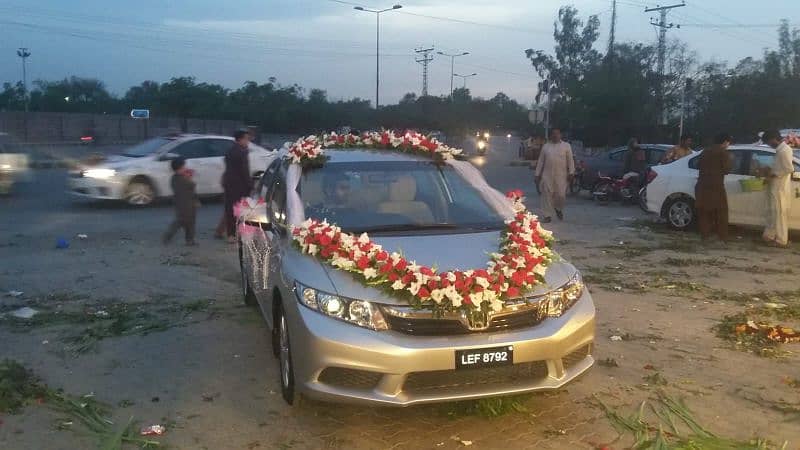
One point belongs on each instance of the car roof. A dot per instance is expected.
(185, 136)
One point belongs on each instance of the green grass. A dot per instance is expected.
(19, 387)
(487, 407)
(666, 423)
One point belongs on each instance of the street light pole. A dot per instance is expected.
(464, 78)
(452, 66)
(377, 13)
(24, 53)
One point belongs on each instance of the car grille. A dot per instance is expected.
(427, 326)
(576, 356)
(350, 378)
(450, 381)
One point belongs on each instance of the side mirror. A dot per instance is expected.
(168, 157)
(796, 176)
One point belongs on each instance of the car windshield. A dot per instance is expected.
(145, 148)
(395, 196)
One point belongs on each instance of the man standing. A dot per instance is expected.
(779, 195)
(236, 180)
(711, 200)
(679, 151)
(554, 171)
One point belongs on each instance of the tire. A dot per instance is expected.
(140, 192)
(680, 213)
(602, 191)
(248, 295)
(643, 199)
(285, 357)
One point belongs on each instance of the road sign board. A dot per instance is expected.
(140, 113)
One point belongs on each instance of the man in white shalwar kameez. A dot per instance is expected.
(779, 192)
(554, 171)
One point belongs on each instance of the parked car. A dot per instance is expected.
(13, 165)
(611, 164)
(671, 191)
(142, 173)
(398, 355)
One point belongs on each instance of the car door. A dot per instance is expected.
(277, 235)
(794, 213)
(199, 157)
(216, 162)
(744, 208)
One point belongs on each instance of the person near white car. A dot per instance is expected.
(711, 200)
(779, 192)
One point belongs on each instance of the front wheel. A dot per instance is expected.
(285, 357)
(680, 213)
(140, 193)
(602, 191)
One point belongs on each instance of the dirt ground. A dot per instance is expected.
(160, 335)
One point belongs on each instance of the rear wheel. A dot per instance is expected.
(602, 191)
(140, 193)
(680, 213)
(643, 199)
(247, 292)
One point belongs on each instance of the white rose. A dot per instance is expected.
(451, 277)
(437, 295)
(363, 239)
(397, 285)
(482, 282)
(312, 249)
(414, 288)
(370, 273)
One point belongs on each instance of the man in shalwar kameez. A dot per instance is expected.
(779, 191)
(554, 171)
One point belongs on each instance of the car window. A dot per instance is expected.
(196, 148)
(267, 179)
(759, 161)
(381, 194)
(617, 155)
(654, 156)
(219, 147)
(277, 199)
(738, 163)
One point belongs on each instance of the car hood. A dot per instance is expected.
(445, 252)
(117, 162)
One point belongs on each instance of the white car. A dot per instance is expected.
(671, 192)
(142, 173)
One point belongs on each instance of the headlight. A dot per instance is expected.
(487, 135)
(357, 312)
(5, 166)
(99, 173)
(481, 145)
(560, 300)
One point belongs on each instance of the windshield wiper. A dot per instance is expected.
(405, 227)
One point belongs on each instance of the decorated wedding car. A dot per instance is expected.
(390, 272)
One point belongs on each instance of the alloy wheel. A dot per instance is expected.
(139, 194)
(680, 214)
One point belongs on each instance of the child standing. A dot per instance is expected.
(183, 188)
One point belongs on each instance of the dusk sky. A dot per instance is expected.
(328, 45)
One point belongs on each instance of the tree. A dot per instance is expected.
(12, 97)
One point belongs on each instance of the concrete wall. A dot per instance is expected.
(46, 127)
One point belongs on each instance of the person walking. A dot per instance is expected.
(554, 171)
(185, 200)
(779, 192)
(679, 151)
(711, 200)
(236, 180)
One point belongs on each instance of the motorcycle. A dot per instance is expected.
(626, 189)
(482, 142)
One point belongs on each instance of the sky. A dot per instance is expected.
(327, 44)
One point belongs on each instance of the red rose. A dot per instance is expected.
(382, 256)
(426, 271)
(512, 292)
(432, 284)
(423, 293)
(401, 265)
(393, 276)
(362, 263)
(408, 278)
(325, 239)
(385, 139)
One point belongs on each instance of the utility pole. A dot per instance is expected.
(24, 53)
(424, 60)
(612, 34)
(662, 46)
(377, 13)
(452, 66)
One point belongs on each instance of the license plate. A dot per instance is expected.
(485, 357)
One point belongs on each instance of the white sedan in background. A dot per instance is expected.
(142, 173)
(671, 193)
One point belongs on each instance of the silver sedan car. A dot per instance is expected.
(340, 340)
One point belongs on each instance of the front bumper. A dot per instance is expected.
(95, 188)
(335, 361)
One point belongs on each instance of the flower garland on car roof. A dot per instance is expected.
(518, 266)
(310, 150)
